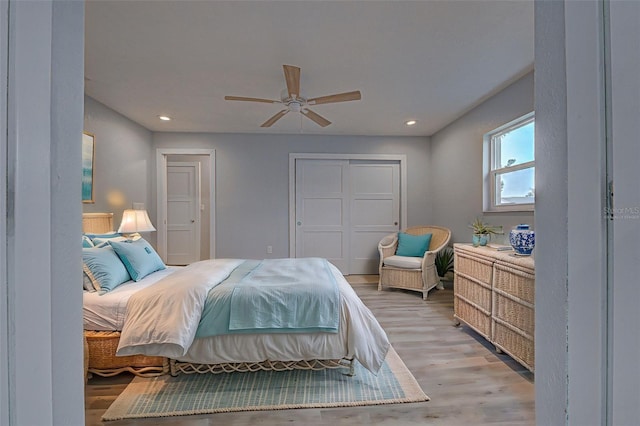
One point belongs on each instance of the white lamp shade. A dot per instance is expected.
(135, 221)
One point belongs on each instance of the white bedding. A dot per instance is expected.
(360, 336)
(106, 312)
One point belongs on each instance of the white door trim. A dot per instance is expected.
(6, 339)
(161, 191)
(402, 158)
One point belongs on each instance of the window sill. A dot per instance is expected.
(510, 209)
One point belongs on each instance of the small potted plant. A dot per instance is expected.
(482, 232)
(444, 263)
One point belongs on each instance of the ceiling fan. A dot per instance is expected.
(293, 101)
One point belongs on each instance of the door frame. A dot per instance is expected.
(293, 157)
(161, 195)
(198, 211)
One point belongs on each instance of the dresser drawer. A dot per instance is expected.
(518, 314)
(472, 290)
(480, 269)
(521, 348)
(472, 303)
(514, 281)
(474, 317)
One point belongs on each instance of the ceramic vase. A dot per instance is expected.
(522, 240)
(480, 239)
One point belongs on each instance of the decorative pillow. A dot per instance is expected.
(104, 268)
(102, 242)
(138, 257)
(412, 245)
(87, 284)
(112, 234)
(86, 242)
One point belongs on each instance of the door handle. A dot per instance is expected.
(299, 223)
(395, 223)
(193, 220)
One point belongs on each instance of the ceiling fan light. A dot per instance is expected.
(295, 106)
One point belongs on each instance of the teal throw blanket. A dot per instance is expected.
(274, 296)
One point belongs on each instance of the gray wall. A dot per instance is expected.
(455, 170)
(123, 158)
(252, 182)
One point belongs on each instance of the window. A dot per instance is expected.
(510, 166)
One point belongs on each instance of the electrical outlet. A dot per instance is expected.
(269, 249)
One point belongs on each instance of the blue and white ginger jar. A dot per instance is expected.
(522, 239)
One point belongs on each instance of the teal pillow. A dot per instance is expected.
(104, 268)
(138, 257)
(412, 245)
(109, 235)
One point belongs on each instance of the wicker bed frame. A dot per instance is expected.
(177, 367)
(101, 346)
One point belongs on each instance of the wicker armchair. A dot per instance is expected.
(412, 273)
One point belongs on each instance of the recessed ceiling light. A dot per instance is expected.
(164, 117)
(410, 122)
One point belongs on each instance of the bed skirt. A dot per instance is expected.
(102, 360)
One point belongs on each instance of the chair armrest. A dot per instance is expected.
(387, 246)
(429, 258)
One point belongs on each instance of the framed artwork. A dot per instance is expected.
(88, 156)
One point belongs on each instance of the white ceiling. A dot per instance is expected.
(425, 60)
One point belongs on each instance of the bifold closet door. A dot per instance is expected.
(343, 208)
(375, 211)
(322, 206)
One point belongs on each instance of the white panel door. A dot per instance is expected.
(375, 211)
(624, 337)
(183, 218)
(322, 204)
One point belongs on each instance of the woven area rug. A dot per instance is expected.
(265, 390)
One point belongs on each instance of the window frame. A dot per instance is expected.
(492, 170)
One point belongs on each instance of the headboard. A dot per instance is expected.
(97, 223)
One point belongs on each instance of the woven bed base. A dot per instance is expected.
(102, 360)
(178, 367)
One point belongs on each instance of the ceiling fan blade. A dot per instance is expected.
(340, 97)
(241, 98)
(292, 77)
(275, 118)
(320, 120)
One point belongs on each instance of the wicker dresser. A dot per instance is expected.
(494, 294)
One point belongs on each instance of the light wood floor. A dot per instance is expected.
(467, 381)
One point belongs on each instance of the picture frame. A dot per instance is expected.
(88, 162)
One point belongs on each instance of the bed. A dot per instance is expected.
(111, 318)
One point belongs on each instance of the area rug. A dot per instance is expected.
(265, 390)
